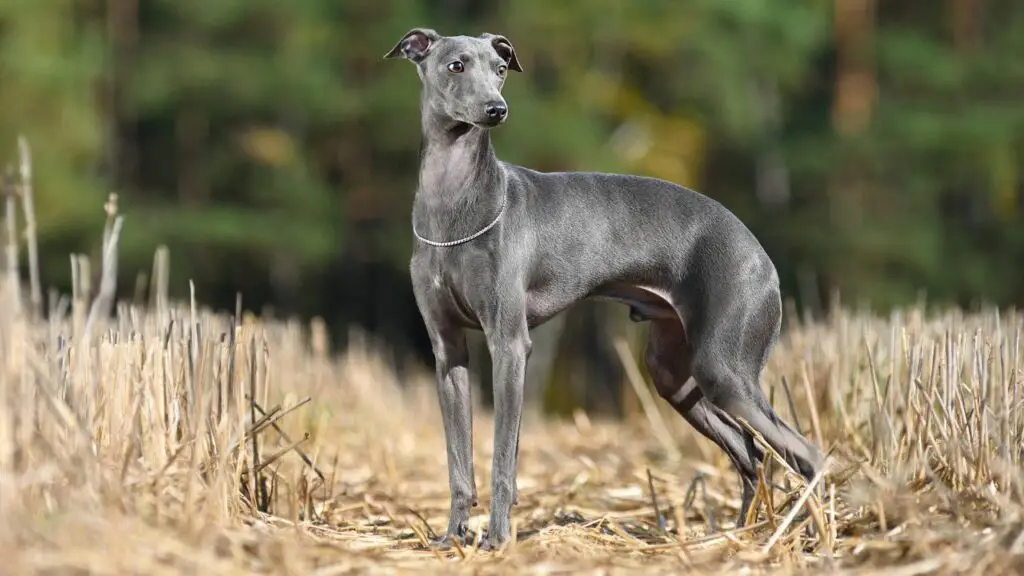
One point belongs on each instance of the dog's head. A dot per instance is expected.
(462, 76)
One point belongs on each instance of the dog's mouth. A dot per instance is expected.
(490, 123)
(460, 128)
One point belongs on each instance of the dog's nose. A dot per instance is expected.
(496, 110)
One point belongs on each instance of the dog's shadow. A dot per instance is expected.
(473, 540)
(476, 539)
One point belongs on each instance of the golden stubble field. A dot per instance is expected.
(129, 449)
(161, 438)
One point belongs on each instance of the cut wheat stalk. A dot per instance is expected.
(31, 242)
(286, 438)
(275, 456)
(647, 402)
(12, 282)
(805, 495)
(108, 279)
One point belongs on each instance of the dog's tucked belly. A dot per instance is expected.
(645, 303)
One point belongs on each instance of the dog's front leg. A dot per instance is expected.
(453, 391)
(510, 350)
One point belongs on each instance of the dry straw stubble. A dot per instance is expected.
(133, 455)
(130, 450)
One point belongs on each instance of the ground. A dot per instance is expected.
(138, 458)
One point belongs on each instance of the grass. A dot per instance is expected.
(132, 455)
(166, 439)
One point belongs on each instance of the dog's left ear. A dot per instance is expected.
(504, 49)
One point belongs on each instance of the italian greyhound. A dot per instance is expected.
(502, 248)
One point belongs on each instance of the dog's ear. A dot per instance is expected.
(504, 49)
(415, 45)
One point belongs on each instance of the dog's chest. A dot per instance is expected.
(452, 284)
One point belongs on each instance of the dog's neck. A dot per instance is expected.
(461, 182)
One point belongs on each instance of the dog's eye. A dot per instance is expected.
(456, 67)
(502, 69)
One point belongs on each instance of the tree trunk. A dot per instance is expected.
(855, 95)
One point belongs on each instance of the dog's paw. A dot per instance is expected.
(489, 544)
(444, 543)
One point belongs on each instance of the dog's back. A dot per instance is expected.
(592, 229)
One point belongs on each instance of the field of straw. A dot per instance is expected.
(163, 438)
(131, 451)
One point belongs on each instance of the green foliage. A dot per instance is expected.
(50, 66)
(249, 131)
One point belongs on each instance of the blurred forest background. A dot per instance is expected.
(874, 147)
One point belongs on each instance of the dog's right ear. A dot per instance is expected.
(415, 45)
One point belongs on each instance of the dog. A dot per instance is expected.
(502, 248)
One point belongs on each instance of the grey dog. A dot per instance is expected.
(502, 248)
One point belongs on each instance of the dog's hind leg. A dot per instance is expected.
(731, 343)
(668, 358)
